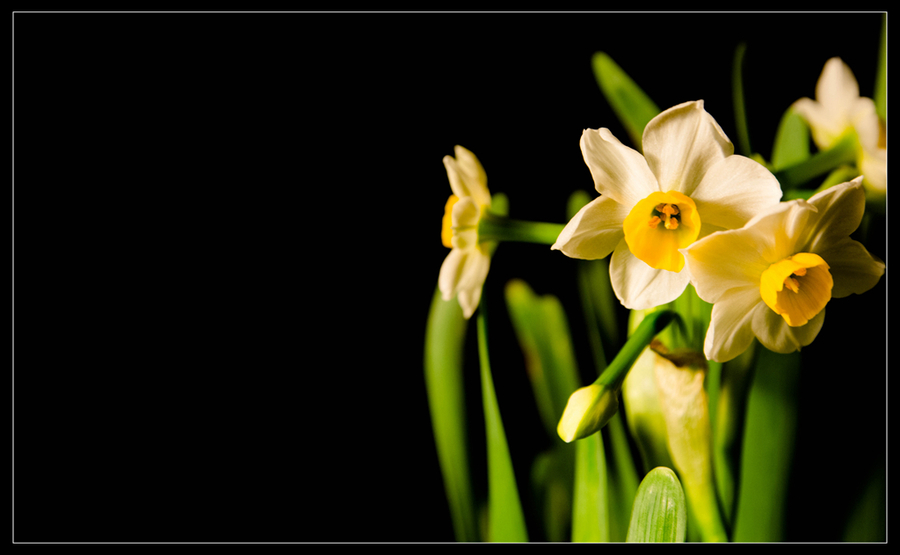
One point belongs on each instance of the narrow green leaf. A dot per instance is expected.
(598, 306)
(868, 519)
(822, 162)
(543, 331)
(728, 423)
(768, 448)
(881, 75)
(630, 104)
(552, 475)
(660, 509)
(590, 506)
(740, 108)
(444, 340)
(622, 478)
(791, 141)
(506, 521)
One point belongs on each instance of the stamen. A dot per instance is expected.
(799, 272)
(669, 210)
(654, 221)
(671, 223)
(792, 284)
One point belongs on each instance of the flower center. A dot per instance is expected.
(447, 222)
(658, 226)
(797, 287)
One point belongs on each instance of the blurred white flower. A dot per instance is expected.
(466, 266)
(838, 108)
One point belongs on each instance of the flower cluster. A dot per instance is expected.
(768, 267)
(711, 252)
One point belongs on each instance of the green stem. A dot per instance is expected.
(651, 325)
(843, 152)
(494, 227)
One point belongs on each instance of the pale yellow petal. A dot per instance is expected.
(777, 336)
(724, 261)
(730, 328)
(853, 269)
(839, 211)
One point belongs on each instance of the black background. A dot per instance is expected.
(226, 240)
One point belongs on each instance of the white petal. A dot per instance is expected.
(874, 169)
(639, 286)
(451, 270)
(473, 281)
(464, 219)
(462, 275)
(775, 335)
(730, 331)
(853, 269)
(724, 261)
(839, 212)
(734, 190)
(465, 178)
(619, 172)
(837, 89)
(864, 119)
(594, 231)
(826, 125)
(681, 144)
(473, 174)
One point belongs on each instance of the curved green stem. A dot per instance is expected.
(651, 325)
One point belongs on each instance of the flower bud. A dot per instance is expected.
(588, 409)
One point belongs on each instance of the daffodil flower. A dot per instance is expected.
(838, 108)
(773, 278)
(687, 185)
(466, 266)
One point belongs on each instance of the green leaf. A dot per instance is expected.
(768, 448)
(622, 478)
(543, 331)
(868, 519)
(506, 521)
(660, 509)
(444, 339)
(881, 75)
(630, 104)
(791, 141)
(740, 109)
(590, 507)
